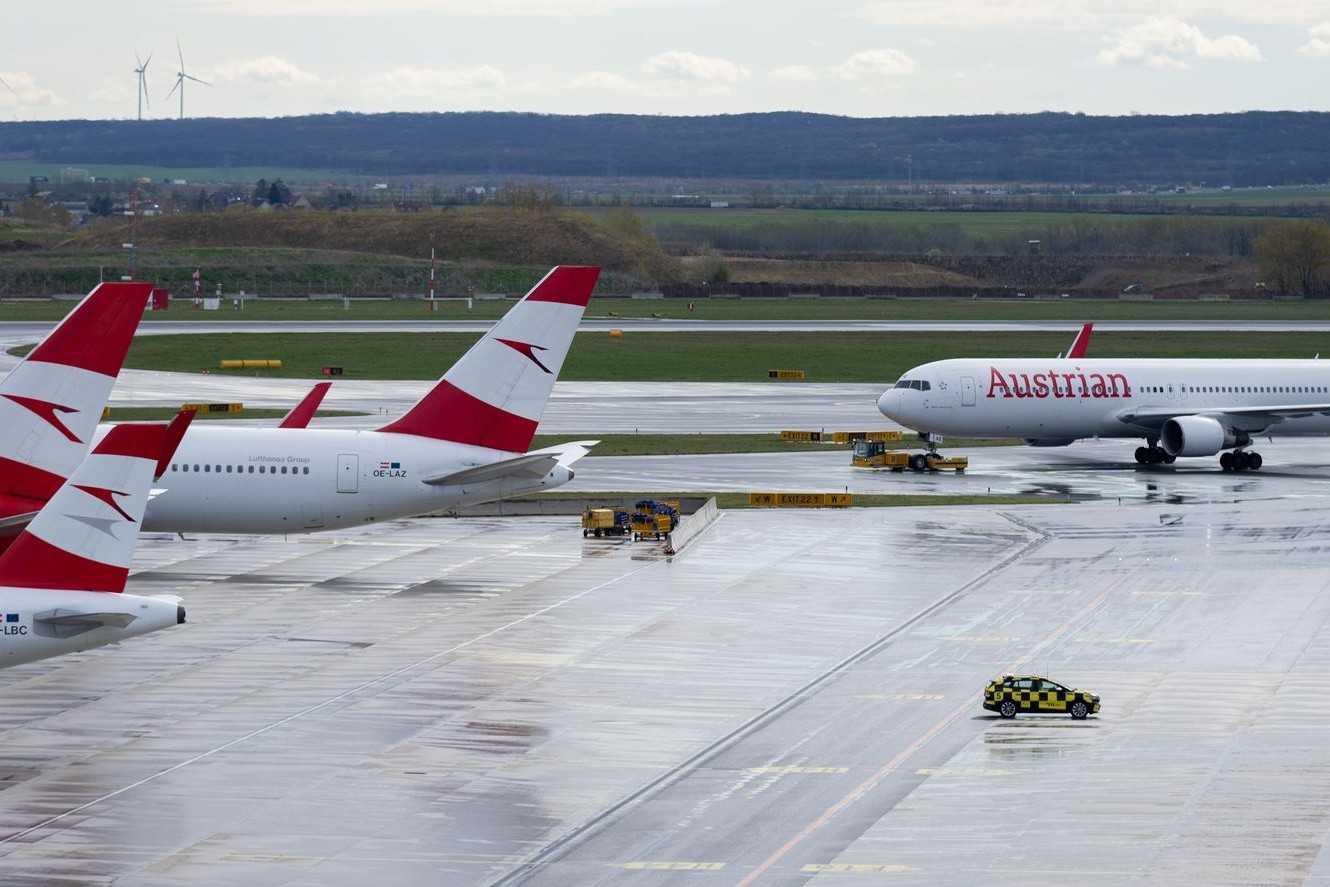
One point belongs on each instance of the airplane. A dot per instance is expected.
(51, 402)
(464, 442)
(1182, 408)
(62, 580)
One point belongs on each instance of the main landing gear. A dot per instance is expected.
(1240, 460)
(1153, 455)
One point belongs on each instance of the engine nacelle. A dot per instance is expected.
(1199, 436)
(1048, 441)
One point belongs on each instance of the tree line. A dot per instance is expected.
(1246, 149)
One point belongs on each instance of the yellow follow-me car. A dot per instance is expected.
(1030, 693)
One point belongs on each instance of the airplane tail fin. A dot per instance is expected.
(50, 403)
(83, 538)
(495, 394)
(302, 412)
(1081, 343)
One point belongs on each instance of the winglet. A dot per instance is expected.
(83, 539)
(495, 394)
(302, 412)
(1081, 343)
(175, 432)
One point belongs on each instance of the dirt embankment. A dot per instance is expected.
(500, 236)
(1181, 277)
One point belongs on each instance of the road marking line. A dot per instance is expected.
(888, 768)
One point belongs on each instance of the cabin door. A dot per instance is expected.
(348, 473)
(967, 391)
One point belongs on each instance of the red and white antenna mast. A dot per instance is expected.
(433, 306)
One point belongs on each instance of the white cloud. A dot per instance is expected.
(602, 80)
(876, 63)
(1319, 46)
(693, 67)
(267, 69)
(796, 72)
(442, 7)
(1171, 43)
(432, 82)
(23, 90)
(1080, 14)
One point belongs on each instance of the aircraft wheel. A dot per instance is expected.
(1226, 461)
(1142, 455)
(1241, 461)
(1255, 460)
(1169, 458)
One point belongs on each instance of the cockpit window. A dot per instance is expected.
(902, 383)
(914, 385)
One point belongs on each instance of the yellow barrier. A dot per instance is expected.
(616, 334)
(800, 500)
(785, 374)
(801, 435)
(251, 364)
(213, 407)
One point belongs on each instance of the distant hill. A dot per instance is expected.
(1248, 149)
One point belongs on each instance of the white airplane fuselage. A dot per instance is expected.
(279, 480)
(39, 623)
(1064, 400)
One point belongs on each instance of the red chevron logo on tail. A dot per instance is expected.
(101, 494)
(46, 411)
(528, 351)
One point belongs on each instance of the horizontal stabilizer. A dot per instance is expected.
(61, 623)
(13, 525)
(533, 464)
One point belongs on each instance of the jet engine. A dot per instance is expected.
(1048, 441)
(1199, 436)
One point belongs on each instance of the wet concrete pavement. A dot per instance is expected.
(793, 697)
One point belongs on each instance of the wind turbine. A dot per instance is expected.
(180, 79)
(143, 83)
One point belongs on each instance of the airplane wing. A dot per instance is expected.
(1253, 420)
(534, 464)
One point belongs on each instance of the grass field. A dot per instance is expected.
(1073, 311)
(686, 357)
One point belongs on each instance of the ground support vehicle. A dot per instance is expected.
(604, 522)
(654, 520)
(874, 454)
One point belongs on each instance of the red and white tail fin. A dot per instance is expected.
(302, 412)
(495, 394)
(83, 538)
(50, 403)
(1081, 343)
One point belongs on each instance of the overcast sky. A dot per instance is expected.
(863, 58)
